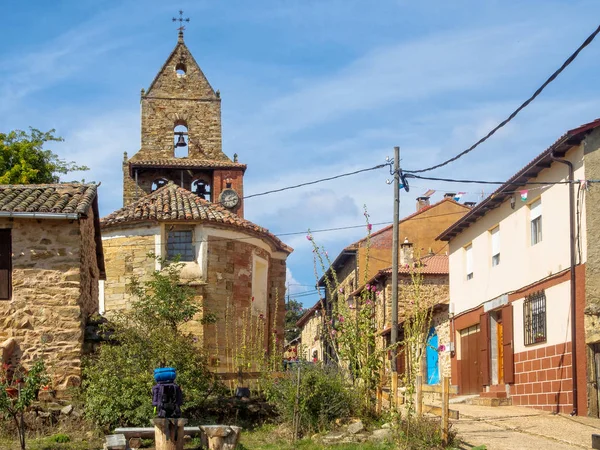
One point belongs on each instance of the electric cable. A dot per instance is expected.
(308, 183)
(552, 77)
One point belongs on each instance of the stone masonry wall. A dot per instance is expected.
(228, 295)
(90, 274)
(592, 270)
(46, 302)
(311, 338)
(125, 257)
(434, 290)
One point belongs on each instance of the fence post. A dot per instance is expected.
(419, 395)
(445, 407)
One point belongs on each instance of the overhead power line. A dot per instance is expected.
(552, 77)
(308, 183)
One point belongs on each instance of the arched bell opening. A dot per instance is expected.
(181, 140)
(201, 188)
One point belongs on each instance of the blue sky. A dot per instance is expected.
(310, 88)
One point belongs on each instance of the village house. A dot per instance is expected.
(311, 339)
(183, 197)
(423, 284)
(51, 259)
(521, 276)
(363, 259)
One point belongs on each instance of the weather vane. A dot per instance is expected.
(181, 20)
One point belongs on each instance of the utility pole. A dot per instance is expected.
(395, 226)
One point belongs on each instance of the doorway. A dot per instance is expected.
(496, 347)
(432, 358)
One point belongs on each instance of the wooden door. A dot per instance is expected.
(470, 373)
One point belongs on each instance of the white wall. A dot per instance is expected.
(521, 264)
(558, 318)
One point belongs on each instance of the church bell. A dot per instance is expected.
(181, 141)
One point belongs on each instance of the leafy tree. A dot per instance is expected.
(23, 386)
(118, 379)
(293, 312)
(23, 159)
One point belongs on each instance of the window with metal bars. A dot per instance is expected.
(180, 242)
(534, 318)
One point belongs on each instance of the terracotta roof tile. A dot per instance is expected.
(173, 203)
(430, 265)
(47, 198)
(186, 163)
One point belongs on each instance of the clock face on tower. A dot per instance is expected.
(229, 198)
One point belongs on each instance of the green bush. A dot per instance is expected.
(118, 380)
(60, 438)
(322, 396)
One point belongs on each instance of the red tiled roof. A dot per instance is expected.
(61, 198)
(531, 170)
(185, 163)
(430, 265)
(171, 203)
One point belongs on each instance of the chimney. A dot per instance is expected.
(406, 253)
(422, 202)
(450, 195)
(470, 204)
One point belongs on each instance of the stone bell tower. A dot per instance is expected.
(181, 137)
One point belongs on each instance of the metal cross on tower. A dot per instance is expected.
(181, 20)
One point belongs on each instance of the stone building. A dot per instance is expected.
(51, 259)
(428, 280)
(311, 339)
(181, 137)
(183, 196)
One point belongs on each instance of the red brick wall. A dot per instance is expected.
(236, 177)
(543, 379)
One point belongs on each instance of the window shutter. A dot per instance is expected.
(536, 209)
(5, 264)
(507, 342)
(484, 357)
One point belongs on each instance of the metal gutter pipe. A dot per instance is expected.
(573, 279)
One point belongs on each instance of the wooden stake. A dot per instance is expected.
(445, 408)
(419, 396)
